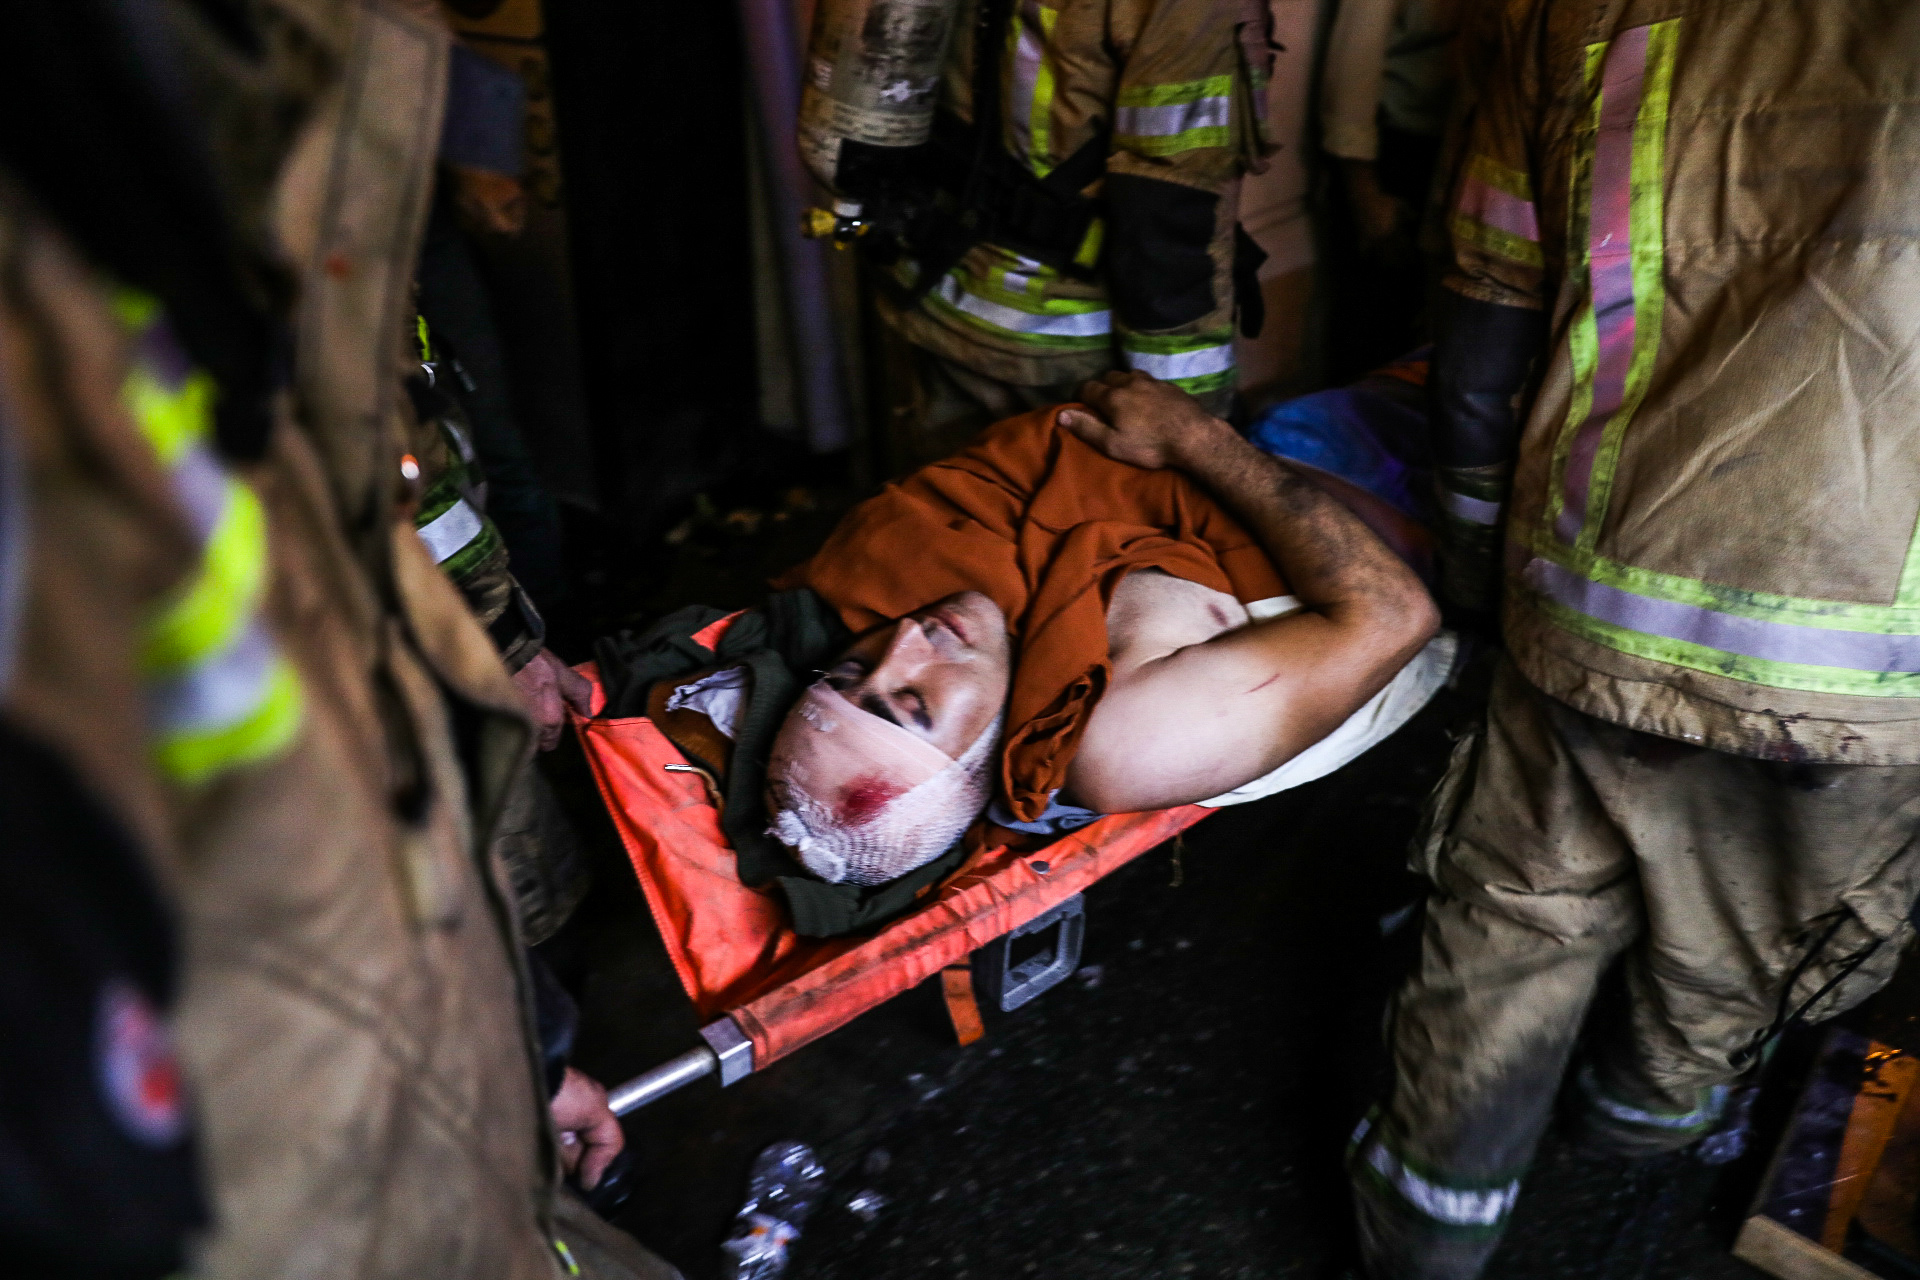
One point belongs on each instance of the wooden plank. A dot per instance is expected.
(1781, 1251)
(1890, 1077)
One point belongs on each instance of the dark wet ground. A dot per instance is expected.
(1179, 1108)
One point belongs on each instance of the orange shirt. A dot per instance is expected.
(1046, 526)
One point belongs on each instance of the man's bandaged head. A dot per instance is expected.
(883, 765)
(864, 801)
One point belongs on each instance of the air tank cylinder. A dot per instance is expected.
(872, 76)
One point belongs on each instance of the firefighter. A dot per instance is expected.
(1087, 171)
(1701, 756)
(233, 636)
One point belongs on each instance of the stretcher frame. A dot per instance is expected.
(810, 988)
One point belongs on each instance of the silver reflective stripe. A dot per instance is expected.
(1694, 1119)
(1472, 510)
(218, 691)
(1760, 638)
(451, 530)
(1173, 118)
(1454, 1207)
(1081, 324)
(1183, 364)
(202, 485)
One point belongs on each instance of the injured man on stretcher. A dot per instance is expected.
(1102, 608)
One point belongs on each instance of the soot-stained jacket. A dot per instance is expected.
(1708, 209)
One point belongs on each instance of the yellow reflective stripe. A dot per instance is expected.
(1024, 291)
(1647, 218)
(213, 608)
(1089, 253)
(195, 756)
(1514, 182)
(1166, 119)
(426, 340)
(219, 692)
(171, 419)
(1583, 336)
(1040, 119)
(1501, 244)
(1174, 144)
(1162, 95)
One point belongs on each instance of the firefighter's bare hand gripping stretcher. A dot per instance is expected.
(1068, 642)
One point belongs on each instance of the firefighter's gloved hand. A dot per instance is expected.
(550, 686)
(590, 1134)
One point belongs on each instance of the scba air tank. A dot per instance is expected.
(872, 77)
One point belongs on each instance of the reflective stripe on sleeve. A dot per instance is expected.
(269, 728)
(1174, 117)
(1030, 85)
(171, 417)
(1472, 510)
(450, 531)
(1496, 212)
(217, 601)
(1171, 366)
(1163, 119)
(219, 693)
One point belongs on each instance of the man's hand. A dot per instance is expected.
(590, 1134)
(550, 686)
(1234, 707)
(1148, 423)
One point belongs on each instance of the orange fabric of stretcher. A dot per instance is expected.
(730, 943)
(1046, 526)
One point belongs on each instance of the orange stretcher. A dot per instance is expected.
(768, 991)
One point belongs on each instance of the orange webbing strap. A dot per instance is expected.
(957, 982)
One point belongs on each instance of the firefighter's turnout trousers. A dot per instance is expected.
(1732, 890)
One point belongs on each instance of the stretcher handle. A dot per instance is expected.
(725, 1051)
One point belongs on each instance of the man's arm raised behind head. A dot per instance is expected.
(1207, 718)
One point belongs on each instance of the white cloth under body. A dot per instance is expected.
(1411, 689)
(1383, 713)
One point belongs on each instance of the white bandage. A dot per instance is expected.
(863, 801)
